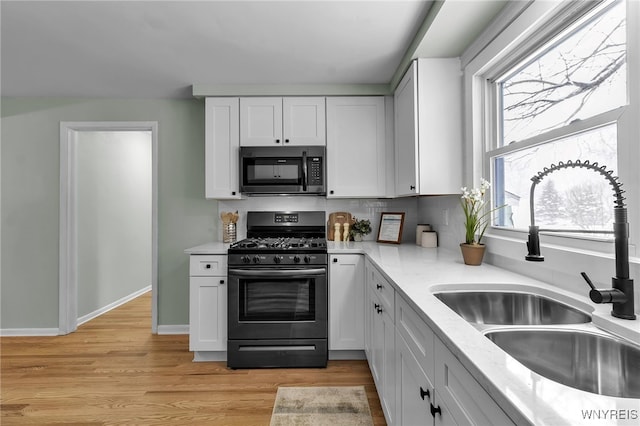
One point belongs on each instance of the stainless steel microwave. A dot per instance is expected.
(283, 170)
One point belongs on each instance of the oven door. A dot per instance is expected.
(277, 303)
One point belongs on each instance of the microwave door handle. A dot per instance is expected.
(304, 171)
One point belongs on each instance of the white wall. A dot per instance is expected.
(114, 183)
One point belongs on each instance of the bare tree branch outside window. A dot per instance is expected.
(579, 77)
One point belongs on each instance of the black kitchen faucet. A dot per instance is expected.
(621, 293)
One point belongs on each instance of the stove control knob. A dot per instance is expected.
(296, 259)
(277, 259)
(307, 259)
(246, 259)
(256, 259)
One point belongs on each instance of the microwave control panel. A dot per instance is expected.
(315, 171)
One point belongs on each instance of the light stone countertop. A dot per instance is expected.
(209, 248)
(526, 397)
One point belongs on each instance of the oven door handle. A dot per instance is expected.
(277, 272)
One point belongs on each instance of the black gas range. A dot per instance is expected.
(277, 303)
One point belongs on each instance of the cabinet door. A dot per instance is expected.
(406, 131)
(368, 309)
(440, 125)
(260, 121)
(304, 121)
(356, 147)
(414, 389)
(208, 313)
(461, 398)
(346, 302)
(221, 148)
(383, 353)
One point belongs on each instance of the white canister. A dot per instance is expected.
(419, 230)
(429, 239)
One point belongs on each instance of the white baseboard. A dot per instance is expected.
(173, 329)
(207, 356)
(347, 355)
(113, 305)
(19, 332)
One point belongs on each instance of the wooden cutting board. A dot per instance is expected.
(341, 218)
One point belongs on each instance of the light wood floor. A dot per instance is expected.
(114, 371)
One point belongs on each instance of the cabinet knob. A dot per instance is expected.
(277, 140)
(412, 187)
(335, 260)
(378, 286)
(435, 410)
(286, 141)
(424, 393)
(233, 192)
(208, 266)
(221, 281)
(331, 192)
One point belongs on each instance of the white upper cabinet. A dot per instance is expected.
(428, 128)
(222, 129)
(356, 147)
(282, 121)
(406, 122)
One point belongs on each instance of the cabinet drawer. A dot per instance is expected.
(207, 265)
(384, 291)
(416, 333)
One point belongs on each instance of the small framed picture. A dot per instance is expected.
(390, 228)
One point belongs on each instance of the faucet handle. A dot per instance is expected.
(588, 280)
(604, 295)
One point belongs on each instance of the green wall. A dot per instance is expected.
(30, 200)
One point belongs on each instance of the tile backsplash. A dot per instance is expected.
(360, 208)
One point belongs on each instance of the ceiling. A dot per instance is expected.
(160, 49)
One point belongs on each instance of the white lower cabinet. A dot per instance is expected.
(208, 303)
(382, 337)
(419, 381)
(346, 302)
(433, 387)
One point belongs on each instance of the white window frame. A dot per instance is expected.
(531, 25)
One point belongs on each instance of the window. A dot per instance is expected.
(562, 102)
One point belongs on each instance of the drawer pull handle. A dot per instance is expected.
(424, 393)
(435, 410)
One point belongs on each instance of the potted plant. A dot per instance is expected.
(476, 220)
(360, 228)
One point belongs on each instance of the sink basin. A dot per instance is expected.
(510, 308)
(579, 359)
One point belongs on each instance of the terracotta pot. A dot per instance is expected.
(472, 253)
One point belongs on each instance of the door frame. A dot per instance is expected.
(68, 285)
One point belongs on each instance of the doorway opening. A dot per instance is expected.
(108, 218)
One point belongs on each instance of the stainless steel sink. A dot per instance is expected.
(583, 360)
(510, 308)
